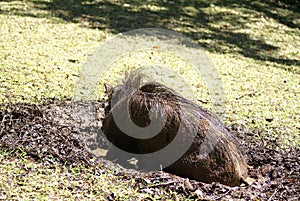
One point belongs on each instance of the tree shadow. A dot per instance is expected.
(186, 17)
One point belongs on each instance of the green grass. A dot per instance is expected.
(25, 179)
(43, 44)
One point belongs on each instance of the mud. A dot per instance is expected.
(47, 132)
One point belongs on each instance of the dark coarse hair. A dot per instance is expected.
(225, 162)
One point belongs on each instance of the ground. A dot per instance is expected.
(254, 45)
(44, 137)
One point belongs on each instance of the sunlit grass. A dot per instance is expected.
(42, 53)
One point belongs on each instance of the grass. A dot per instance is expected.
(43, 44)
(25, 179)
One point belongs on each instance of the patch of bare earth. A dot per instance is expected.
(50, 133)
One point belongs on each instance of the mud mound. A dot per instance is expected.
(43, 131)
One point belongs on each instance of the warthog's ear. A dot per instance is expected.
(108, 89)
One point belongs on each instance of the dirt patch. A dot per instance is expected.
(48, 132)
(42, 131)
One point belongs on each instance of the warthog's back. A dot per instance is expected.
(213, 155)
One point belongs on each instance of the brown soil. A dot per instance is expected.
(48, 132)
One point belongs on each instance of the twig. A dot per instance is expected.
(223, 195)
(203, 101)
(272, 195)
(161, 184)
(248, 94)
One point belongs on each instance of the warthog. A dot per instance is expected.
(213, 154)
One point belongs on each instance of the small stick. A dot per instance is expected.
(163, 184)
(223, 195)
(272, 195)
(248, 94)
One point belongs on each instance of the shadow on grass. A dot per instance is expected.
(187, 17)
